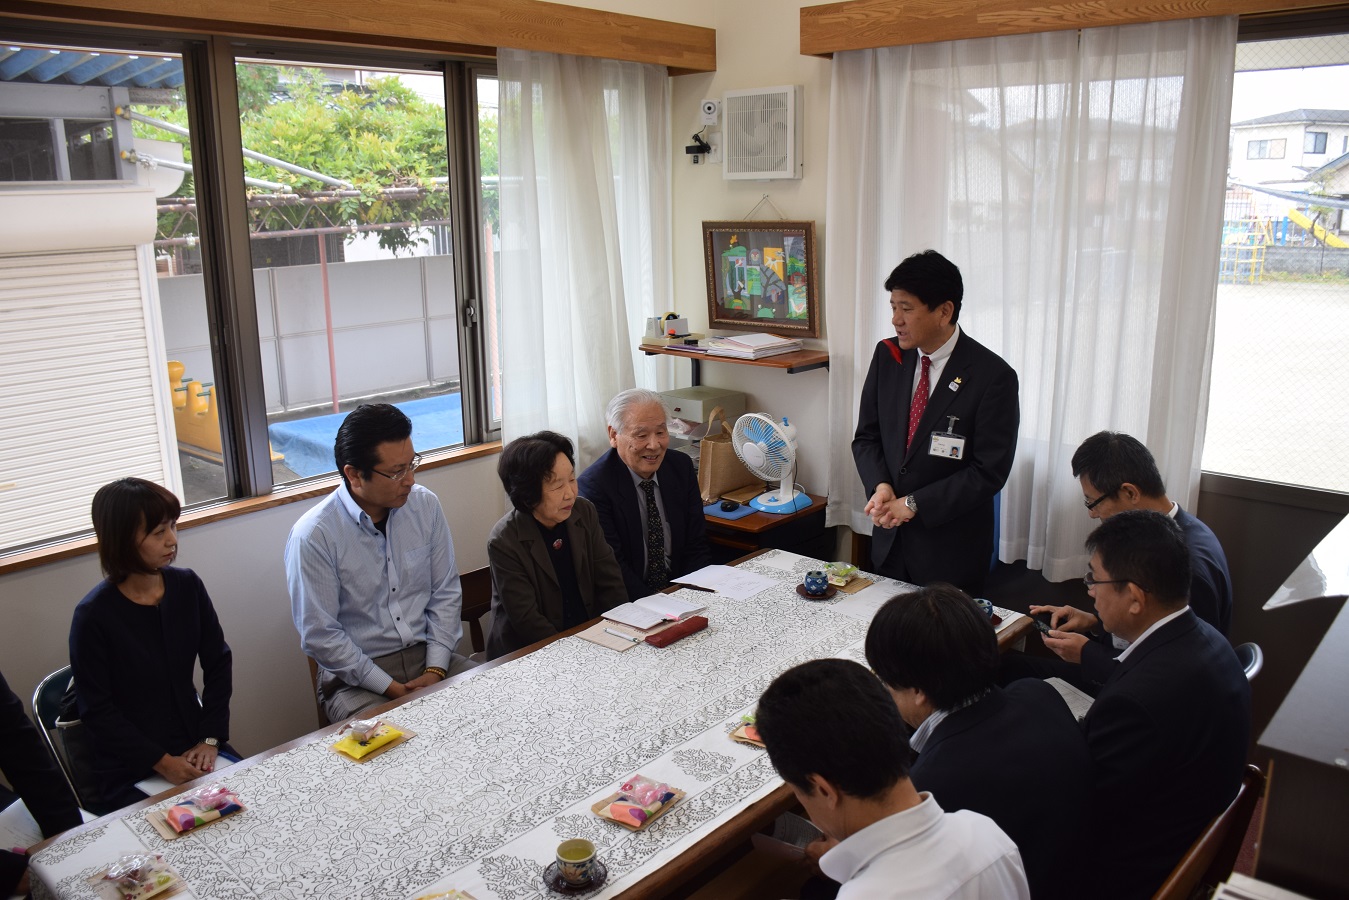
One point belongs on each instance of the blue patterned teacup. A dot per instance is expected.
(576, 861)
(816, 582)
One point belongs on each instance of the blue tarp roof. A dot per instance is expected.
(41, 65)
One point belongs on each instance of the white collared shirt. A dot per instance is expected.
(939, 358)
(924, 853)
(1151, 628)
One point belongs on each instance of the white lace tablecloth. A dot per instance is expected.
(503, 767)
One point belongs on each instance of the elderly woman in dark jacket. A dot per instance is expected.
(551, 566)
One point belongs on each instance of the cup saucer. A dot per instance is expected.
(828, 592)
(552, 879)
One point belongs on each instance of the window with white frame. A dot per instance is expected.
(1267, 149)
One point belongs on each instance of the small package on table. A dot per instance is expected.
(370, 737)
(638, 803)
(207, 804)
(747, 733)
(137, 877)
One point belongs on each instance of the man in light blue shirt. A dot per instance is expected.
(374, 590)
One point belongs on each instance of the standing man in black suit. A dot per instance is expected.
(938, 655)
(1118, 473)
(1168, 732)
(647, 499)
(936, 433)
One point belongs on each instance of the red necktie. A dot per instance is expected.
(919, 402)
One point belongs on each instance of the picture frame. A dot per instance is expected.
(761, 276)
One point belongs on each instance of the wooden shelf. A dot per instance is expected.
(794, 362)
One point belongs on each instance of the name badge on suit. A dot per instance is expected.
(947, 444)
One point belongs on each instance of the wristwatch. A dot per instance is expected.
(911, 503)
(210, 742)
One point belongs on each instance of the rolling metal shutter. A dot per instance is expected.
(83, 393)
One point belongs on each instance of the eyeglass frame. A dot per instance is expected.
(1092, 504)
(405, 471)
(1091, 581)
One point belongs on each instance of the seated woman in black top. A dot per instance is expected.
(134, 641)
(551, 566)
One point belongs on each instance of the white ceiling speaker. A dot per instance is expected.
(762, 130)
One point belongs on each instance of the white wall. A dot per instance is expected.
(239, 559)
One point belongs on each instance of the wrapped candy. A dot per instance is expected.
(357, 748)
(205, 804)
(362, 729)
(140, 876)
(644, 792)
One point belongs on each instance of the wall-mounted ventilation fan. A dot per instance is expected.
(762, 133)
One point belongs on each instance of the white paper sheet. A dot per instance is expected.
(738, 584)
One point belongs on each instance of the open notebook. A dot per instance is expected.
(649, 612)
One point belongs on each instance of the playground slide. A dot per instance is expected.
(1330, 240)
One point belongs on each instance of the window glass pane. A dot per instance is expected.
(348, 206)
(1279, 402)
(490, 203)
(95, 160)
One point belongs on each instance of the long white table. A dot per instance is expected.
(505, 765)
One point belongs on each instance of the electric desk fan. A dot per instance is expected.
(768, 450)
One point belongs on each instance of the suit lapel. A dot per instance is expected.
(626, 492)
(527, 532)
(1158, 639)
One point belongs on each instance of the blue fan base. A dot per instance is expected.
(770, 504)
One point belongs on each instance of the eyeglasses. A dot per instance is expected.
(1091, 581)
(403, 472)
(1092, 504)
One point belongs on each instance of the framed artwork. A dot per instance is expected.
(761, 277)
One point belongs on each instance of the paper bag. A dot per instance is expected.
(719, 469)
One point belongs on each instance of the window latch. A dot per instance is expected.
(470, 313)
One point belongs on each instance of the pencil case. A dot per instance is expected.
(681, 629)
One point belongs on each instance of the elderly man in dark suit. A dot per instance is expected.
(647, 499)
(1168, 732)
(936, 433)
(937, 653)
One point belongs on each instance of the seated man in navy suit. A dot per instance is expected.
(1168, 732)
(647, 499)
(977, 743)
(1117, 473)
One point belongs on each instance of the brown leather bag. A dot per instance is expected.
(719, 469)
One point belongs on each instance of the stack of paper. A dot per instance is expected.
(750, 346)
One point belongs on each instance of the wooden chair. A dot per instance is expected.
(1210, 859)
(477, 587)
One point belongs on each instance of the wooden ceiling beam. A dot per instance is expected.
(867, 24)
(476, 27)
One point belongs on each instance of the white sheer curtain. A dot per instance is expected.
(1077, 180)
(585, 223)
